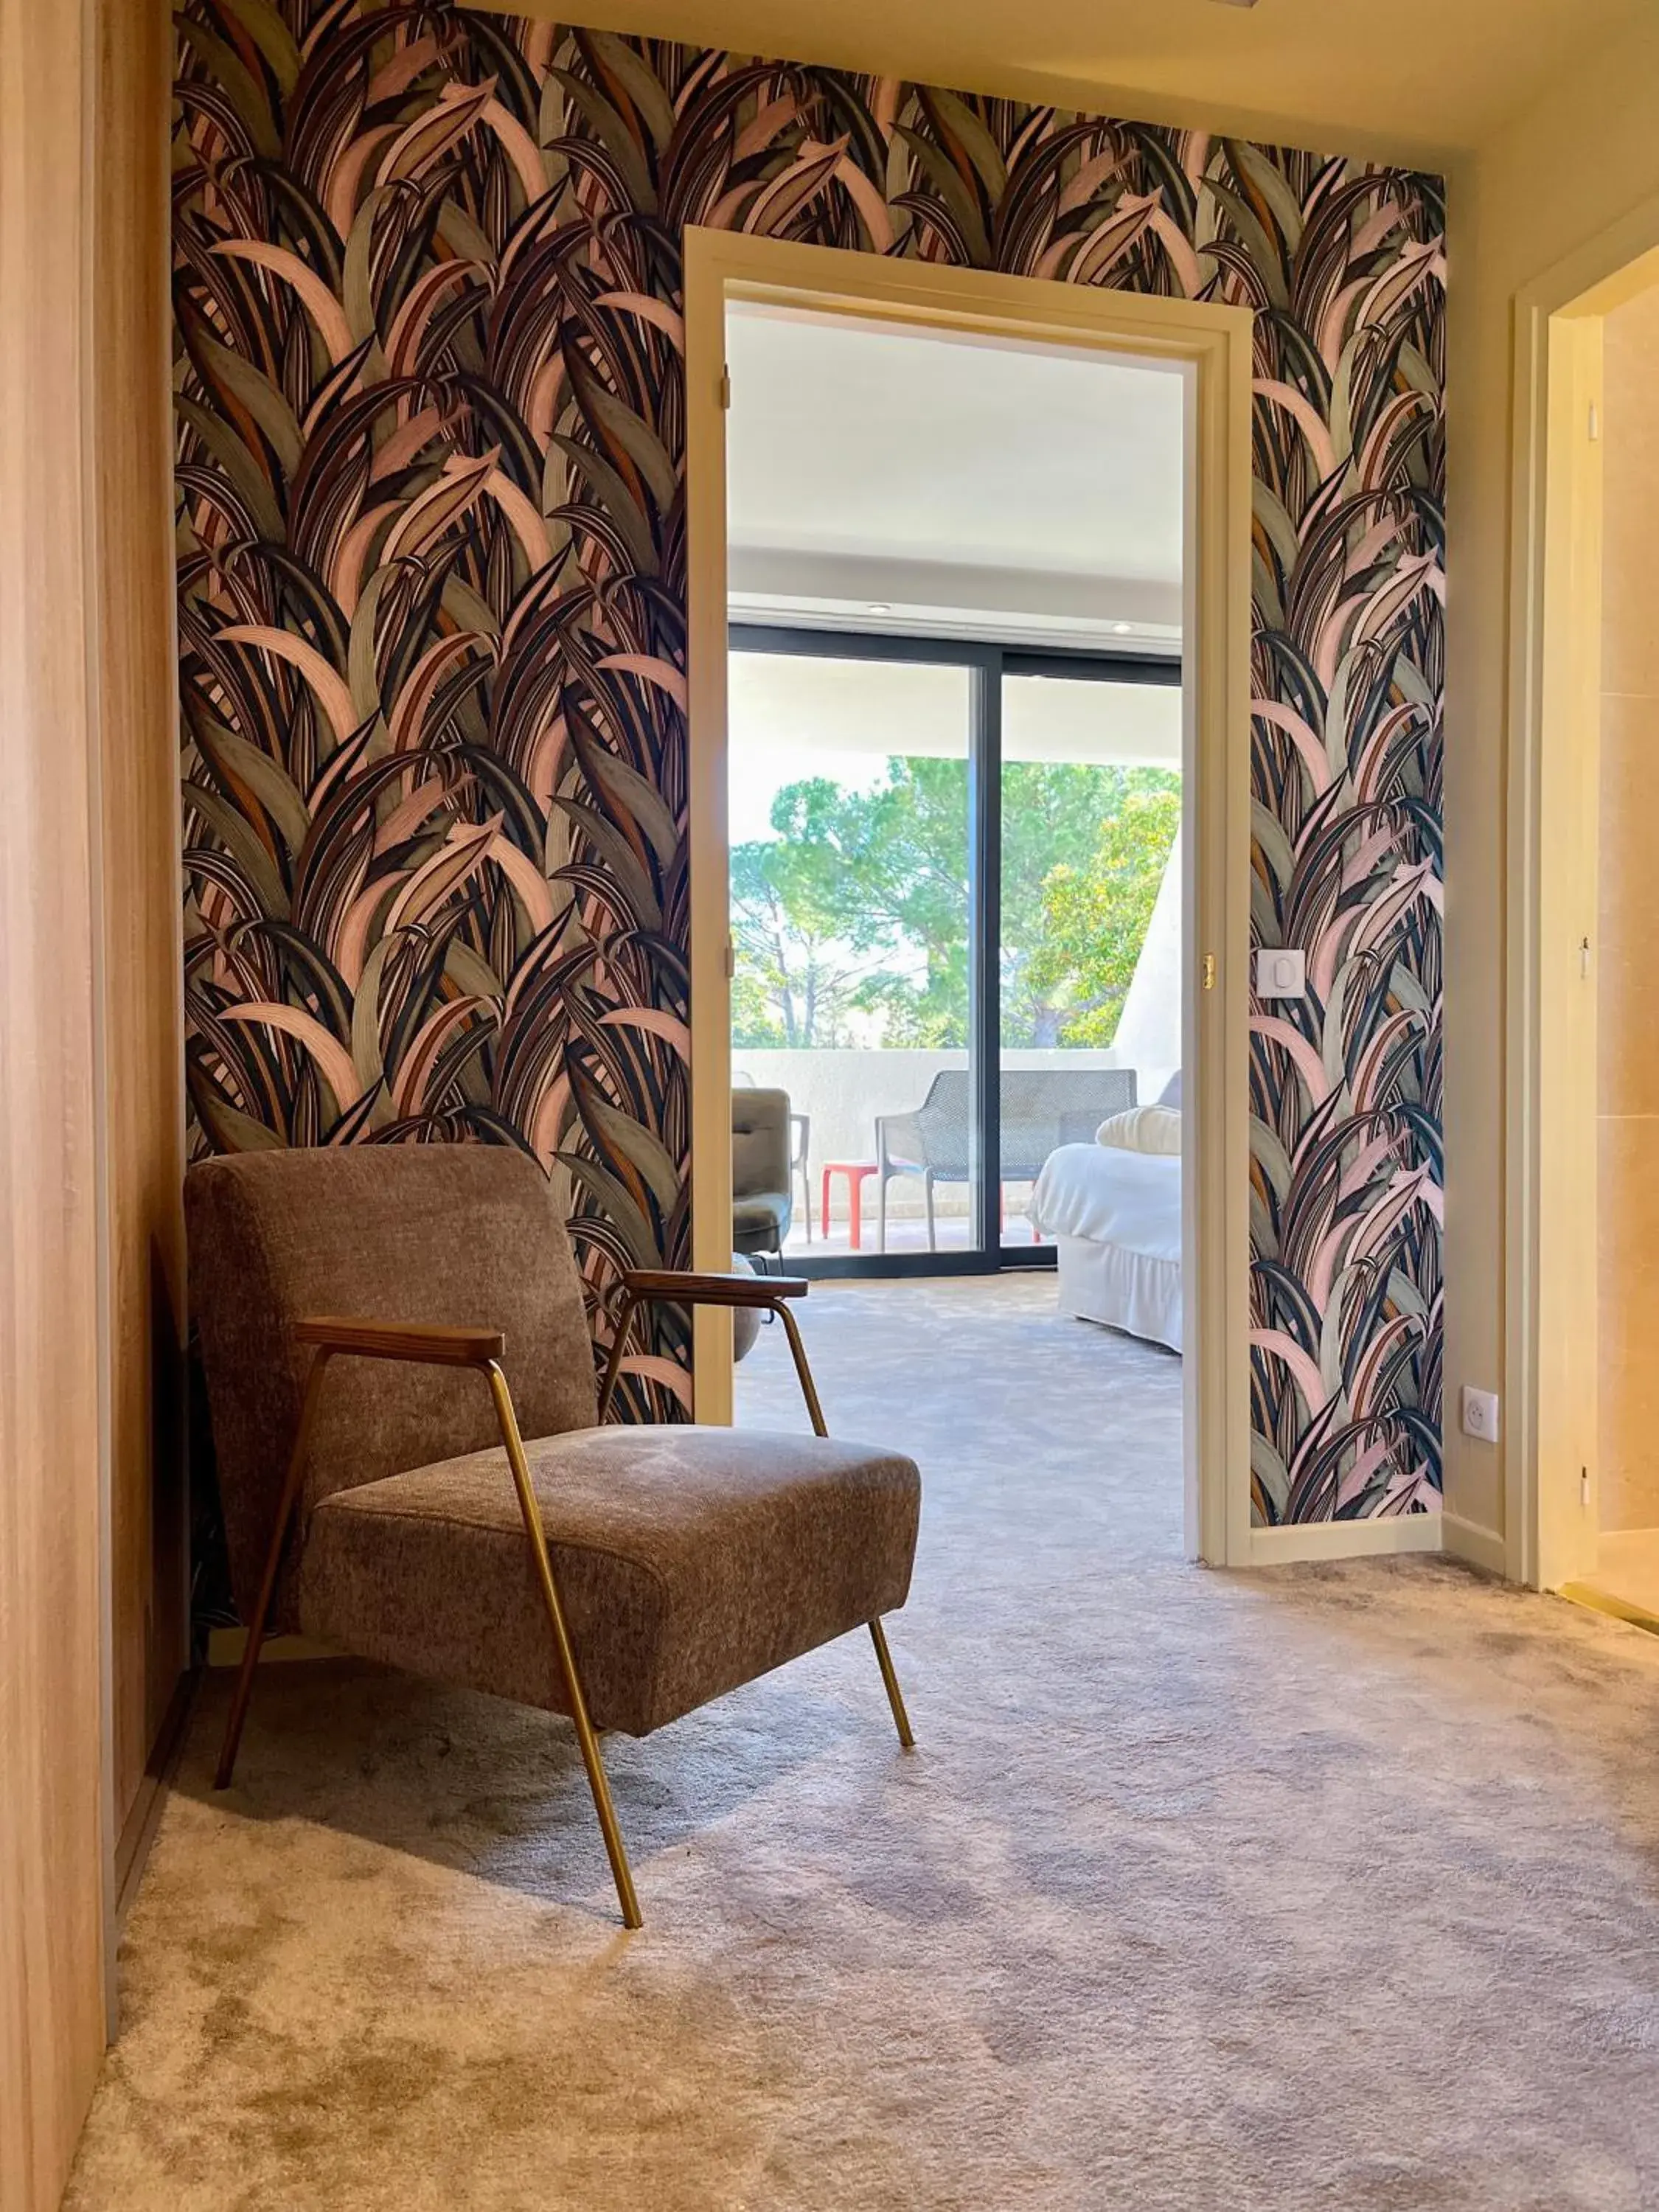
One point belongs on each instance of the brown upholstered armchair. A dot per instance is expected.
(415, 1466)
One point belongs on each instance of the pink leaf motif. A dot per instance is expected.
(671, 1376)
(442, 505)
(318, 301)
(1304, 1371)
(464, 851)
(1307, 419)
(653, 1018)
(1301, 735)
(653, 670)
(333, 693)
(1310, 1066)
(435, 131)
(667, 319)
(333, 1060)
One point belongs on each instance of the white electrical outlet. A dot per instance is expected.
(1480, 1414)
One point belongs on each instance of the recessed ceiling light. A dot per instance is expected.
(878, 607)
(1123, 629)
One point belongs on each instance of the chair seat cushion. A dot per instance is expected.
(689, 1560)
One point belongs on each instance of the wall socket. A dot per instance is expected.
(1480, 1414)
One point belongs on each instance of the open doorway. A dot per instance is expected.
(955, 798)
(948, 771)
(1582, 1505)
(1600, 1519)
(955, 792)
(1626, 1490)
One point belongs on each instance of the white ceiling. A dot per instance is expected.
(1023, 493)
(1427, 78)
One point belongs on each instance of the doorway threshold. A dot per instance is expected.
(1625, 1583)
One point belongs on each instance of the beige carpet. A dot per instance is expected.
(1335, 1888)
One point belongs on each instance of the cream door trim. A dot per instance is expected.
(1211, 346)
(1550, 1349)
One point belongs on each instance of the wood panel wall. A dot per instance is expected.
(143, 1051)
(92, 1512)
(52, 1873)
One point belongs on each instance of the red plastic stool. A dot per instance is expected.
(855, 1171)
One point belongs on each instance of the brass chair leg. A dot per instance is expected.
(808, 1389)
(616, 1851)
(895, 1695)
(613, 1364)
(256, 1632)
(878, 1633)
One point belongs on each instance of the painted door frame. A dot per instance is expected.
(1551, 1514)
(1212, 345)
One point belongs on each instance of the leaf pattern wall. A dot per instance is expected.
(432, 618)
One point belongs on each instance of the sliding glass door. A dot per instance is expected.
(853, 988)
(945, 859)
(1088, 966)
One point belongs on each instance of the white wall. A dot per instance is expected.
(1539, 189)
(1149, 1029)
(843, 1091)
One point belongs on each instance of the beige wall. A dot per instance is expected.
(1628, 1050)
(1542, 187)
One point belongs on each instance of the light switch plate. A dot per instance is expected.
(1281, 972)
(1480, 1414)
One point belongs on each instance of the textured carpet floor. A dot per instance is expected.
(1335, 1888)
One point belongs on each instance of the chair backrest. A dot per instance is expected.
(1044, 1108)
(446, 1233)
(760, 1143)
(1041, 1108)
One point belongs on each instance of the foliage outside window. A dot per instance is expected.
(851, 923)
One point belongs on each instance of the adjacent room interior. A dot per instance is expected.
(956, 742)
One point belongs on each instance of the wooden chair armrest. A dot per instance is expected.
(681, 1287)
(427, 1344)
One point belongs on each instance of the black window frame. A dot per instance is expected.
(988, 665)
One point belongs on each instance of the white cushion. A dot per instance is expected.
(1142, 1129)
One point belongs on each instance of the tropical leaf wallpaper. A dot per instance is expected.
(431, 533)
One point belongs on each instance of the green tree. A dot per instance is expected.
(795, 971)
(859, 903)
(1076, 972)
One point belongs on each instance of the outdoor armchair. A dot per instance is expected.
(415, 1469)
(763, 1171)
(1040, 1108)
